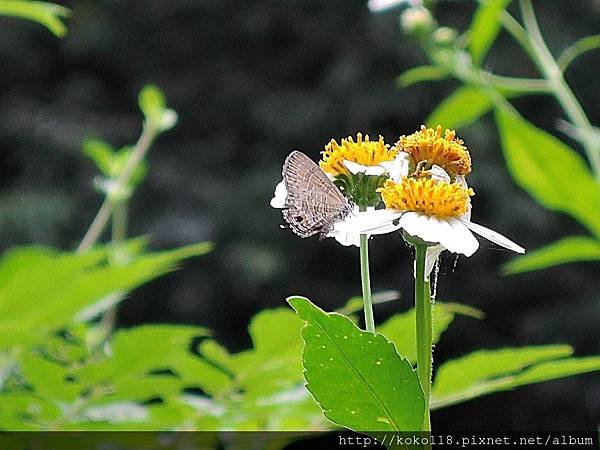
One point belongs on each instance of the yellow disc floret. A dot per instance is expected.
(446, 151)
(427, 196)
(363, 151)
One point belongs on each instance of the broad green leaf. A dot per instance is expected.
(154, 346)
(64, 284)
(47, 14)
(464, 106)
(485, 27)
(357, 377)
(567, 250)
(400, 328)
(216, 353)
(421, 73)
(157, 348)
(48, 379)
(274, 364)
(458, 374)
(17, 259)
(549, 170)
(23, 411)
(486, 371)
(577, 49)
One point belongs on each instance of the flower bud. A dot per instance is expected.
(417, 21)
(445, 36)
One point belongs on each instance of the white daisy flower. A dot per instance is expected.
(434, 210)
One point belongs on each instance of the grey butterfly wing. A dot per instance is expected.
(313, 202)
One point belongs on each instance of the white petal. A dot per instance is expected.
(382, 5)
(344, 236)
(398, 168)
(460, 239)
(347, 232)
(375, 221)
(430, 259)
(439, 174)
(450, 233)
(420, 225)
(280, 196)
(493, 236)
(355, 168)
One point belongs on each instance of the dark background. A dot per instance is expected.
(251, 81)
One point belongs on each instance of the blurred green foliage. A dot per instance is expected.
(48, 14)
(549, 170)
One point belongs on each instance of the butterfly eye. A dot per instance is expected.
(299, 219)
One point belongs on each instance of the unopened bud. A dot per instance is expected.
(444, 35)
(417, 20)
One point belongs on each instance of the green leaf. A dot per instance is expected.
(111, 162)
(46, 14)
(155, 348)
(152, 345)
(101, 153)
(421, 73)
(48, 379)
(487, 371)
(151, 100)
(400, 328)
(355, 304)
(577, 49)
(23, 411)
(357, 377)
(274, 364)
(567, 250)
(64, 284)
(153, 104)
(485, 27)
(549, 170)
(464, 106)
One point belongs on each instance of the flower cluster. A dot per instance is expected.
(418, 186)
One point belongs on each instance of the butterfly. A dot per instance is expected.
(313, 202)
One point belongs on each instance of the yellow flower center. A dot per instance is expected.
(427, 196)
(446, 151)
(363, 151)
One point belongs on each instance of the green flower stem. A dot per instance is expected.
(531, 40)
(424, 329)
(119, 222)
(118, 235)
(518, 32)
(105, 212)
(366, 281)
(515, 85)
(563, 93)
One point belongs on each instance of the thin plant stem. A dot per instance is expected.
(518, 85)
(119, 222)
(423, 317)
(518, 32)
(104, 214)
(563, 93)
(118, 235)
(366, 282)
